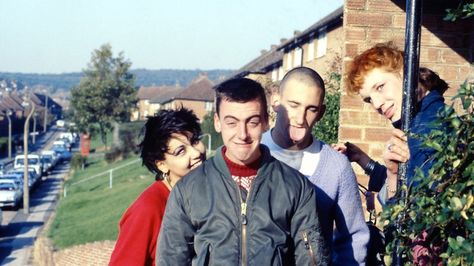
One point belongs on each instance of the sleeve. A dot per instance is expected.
(175, 242)
(351, 234)
(377, 177)
(136, 242)
(310, 246)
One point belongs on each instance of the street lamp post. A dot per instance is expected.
(9, 113)
(34, 127)
(45, 120)
(26, 192)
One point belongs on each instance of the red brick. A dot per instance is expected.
(430, 39)
(451, 57)
(355, 34)
(377, 134)
(352, 49)
(351, 102)
(369, 19)
(349, 133)
(383, 5)
(350, 117)
(399, 21)
(355, 4)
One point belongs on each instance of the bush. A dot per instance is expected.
(327, 128)
(436, 219)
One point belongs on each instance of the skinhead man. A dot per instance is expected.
(242, 206)
(299, 105)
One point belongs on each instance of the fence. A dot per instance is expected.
(110, 172)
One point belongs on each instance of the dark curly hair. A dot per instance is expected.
(158, 130)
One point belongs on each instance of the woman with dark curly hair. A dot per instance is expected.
(170, 149)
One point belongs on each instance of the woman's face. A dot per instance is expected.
(182, 156)
(383, 90)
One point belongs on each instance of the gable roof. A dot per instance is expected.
(155, 92)
(165, 93)
(332, 19)
(274, 57)
(200, 89)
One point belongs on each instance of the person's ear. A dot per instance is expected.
(275, 101)
(162, 166)
(217, 123)
(321, 111)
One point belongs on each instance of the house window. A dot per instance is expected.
(322, 42)
(280, 73)
(208, 106)
(310, 56)
(289, 61)
(274, 75)
(297, 58)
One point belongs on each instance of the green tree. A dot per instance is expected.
(207, 127)
(105, 95)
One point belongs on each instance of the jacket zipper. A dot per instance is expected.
(243, 221)
(307, 245)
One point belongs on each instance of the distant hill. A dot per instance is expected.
(143, 77)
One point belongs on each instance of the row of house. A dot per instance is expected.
(197, 96)
(13, 106)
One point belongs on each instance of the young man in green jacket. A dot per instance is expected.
(242, 207)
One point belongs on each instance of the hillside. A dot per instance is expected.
(143, 77)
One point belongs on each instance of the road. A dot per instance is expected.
(19, 231)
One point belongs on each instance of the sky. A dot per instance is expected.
(58, 36)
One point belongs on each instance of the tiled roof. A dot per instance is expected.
(333, 17)
(165, 93)
(265, 60)
(200, 89)
(154, 92)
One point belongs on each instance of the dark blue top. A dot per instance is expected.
(420, 157)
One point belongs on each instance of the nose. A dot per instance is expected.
(298, 116)
(243, 133)
(376, 102)
(197, 150)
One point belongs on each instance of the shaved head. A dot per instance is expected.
(304, 75)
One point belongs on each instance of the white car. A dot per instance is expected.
(34, 161)
(10, 194)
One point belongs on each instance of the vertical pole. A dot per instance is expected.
(45, 120)
(65, 194)
(111, 176)
(410, 83)
(26, 190)
(34, 128)
(9, 134)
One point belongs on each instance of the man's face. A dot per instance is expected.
(383, 90)
(241, 126)
(299, 106)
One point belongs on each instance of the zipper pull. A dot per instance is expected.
(305, 239)
(243, 212)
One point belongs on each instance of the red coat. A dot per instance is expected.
(140, 226)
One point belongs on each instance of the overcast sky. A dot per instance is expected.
(56, 36)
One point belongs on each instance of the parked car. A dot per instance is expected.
(34, 161)
(32, 176)
(13, 176)
(10, 194)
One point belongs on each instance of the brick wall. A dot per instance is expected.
(96, 253)
(446, 48)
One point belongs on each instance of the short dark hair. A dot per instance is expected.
(158, 131)
(241, 90)
(305, 75)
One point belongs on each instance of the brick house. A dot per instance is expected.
(198, 96)
(150, 98)
(446, 47)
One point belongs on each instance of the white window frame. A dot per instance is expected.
(297, 57)
(274, 74)
(322, 42)
(289, 61)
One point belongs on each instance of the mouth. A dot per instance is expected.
(196, 164)
(388, 113)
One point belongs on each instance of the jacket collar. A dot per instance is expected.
(221, 166)
(432, 97)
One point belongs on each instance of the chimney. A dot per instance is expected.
(273, 47)
(283, 40)
(296, 33)
(263, 51)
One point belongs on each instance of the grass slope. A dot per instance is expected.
(91, 211)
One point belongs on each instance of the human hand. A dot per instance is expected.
(353, 153)
(396, 151)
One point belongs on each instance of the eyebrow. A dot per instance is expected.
(246, 119)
